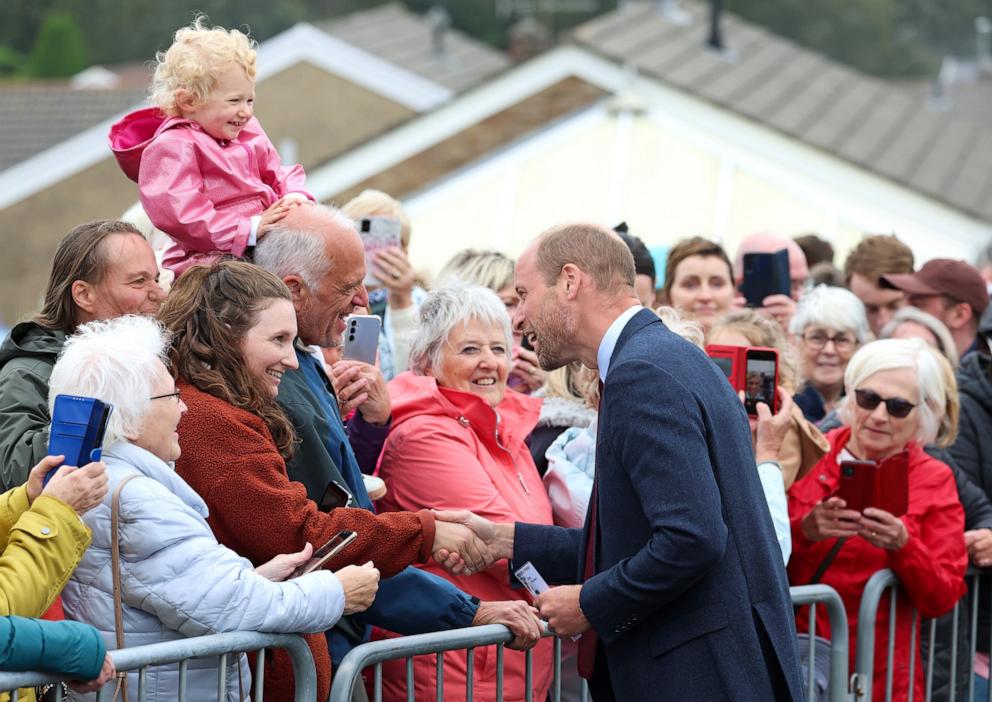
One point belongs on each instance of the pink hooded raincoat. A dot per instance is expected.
(200, 191)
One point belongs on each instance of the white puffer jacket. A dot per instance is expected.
(177, 581)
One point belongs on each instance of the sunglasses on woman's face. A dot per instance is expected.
(895, 406)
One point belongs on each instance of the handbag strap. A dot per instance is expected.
(827, 560)
(115, 561)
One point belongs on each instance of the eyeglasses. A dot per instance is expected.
(168, 394)
(842, 342)
(895, 406)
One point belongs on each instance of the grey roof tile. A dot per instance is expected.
(911, 146)
(971, 181)
(36, 117)
(835, 123)
(937, 169)
(877, 129)
(880, 125)
(403, 38)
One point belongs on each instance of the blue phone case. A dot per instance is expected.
(765, 274)
(78, 426)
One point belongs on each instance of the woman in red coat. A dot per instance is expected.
(457, 442)
(898, 394)
(233, 327)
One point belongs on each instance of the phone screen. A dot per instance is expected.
(759, 381)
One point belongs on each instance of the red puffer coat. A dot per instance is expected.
(930, 566)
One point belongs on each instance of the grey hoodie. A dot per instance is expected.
(27, 356)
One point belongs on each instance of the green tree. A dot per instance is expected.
(11, 62)
(59, 50)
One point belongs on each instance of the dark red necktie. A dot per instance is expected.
(587, 644)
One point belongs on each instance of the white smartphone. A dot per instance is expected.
(361, 338)
(377, 233)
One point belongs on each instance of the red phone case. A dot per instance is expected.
(732, 360)
(885, 486)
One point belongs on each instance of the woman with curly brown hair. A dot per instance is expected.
(233, 327)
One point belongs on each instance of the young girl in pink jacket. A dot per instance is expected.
(208, 175)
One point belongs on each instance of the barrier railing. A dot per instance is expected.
(349, 672)
(180, 651)
(885, 581)
(814, 596)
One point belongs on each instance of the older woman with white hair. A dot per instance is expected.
(911, 323)
(457, 442)
(175, 579)
(828, 327)
(896, 403)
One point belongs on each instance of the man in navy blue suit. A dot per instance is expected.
(676, 582)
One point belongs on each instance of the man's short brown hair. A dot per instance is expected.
(878, 255)
(593, 248)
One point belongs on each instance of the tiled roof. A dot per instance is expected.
(35, 117)
(399, 36)
(880, 125)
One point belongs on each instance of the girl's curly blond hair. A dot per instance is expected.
(197, 55)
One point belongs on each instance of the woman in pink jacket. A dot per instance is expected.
(207, 174)
(457, 442)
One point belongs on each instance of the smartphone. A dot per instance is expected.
(377, 233)
(765, 274)
(77, 429)
(728, 360)
(334, 496)
(882, 485)
(361, 338)
(326, 552)
(760, 379)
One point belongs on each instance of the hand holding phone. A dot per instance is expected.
(326, 552)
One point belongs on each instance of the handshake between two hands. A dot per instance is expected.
(465, 543)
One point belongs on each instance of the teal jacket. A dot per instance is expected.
(67, 648)
(27, 356)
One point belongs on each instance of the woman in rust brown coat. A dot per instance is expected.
(233, 327)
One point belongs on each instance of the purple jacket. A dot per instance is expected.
(200, 191)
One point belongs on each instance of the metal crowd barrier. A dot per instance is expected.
(885, 581)
(181, 651)
(349, 673)
(814, 596)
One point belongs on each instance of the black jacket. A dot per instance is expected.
(972, 451)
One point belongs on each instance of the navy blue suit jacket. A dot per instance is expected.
(689, 597)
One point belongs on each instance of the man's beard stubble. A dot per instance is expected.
(554, 329)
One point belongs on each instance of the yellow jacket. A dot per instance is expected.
(40, 546)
